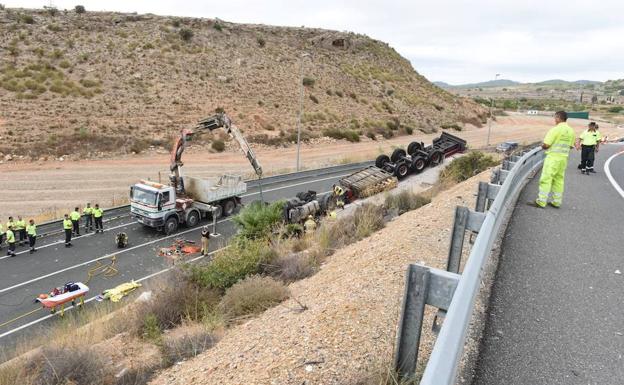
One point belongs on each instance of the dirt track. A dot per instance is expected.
(44, 189)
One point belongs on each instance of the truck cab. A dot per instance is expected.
(153, 203)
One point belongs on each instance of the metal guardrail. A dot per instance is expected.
(54, 227)
(452, 292)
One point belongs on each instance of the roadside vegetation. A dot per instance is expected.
(466, 167)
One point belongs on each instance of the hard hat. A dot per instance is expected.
(310, 217)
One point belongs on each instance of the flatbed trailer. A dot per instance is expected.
(368, 181)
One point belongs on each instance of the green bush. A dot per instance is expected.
(366, 219)
(616, 109)
(453, 126)
(350, 135)
(79, 9)
(406, 201)
(261, 42)
(218, 26)
(151, 330)
(466, 167)
(218, 145)
(258, 220)
(308, 82)
(242, 258)
(251, 296)
(28, 19)
(186, 34)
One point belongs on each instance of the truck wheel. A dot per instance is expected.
(228, 207)
(171, 225)
(192, 219)
(381, 161)
(401, 170)
(397, 154)
(419, 164)
(437, 157)
(413, 147)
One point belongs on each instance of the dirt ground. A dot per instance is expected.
(46, 189)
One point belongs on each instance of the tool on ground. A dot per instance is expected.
(179, 248)
(121, 239)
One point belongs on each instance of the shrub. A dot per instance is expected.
(186, 342)
(466, 167)
(218, 26)
(350, 135)
(175, 23)
(616, 109)
(453, 126)
(151, 329)
(366, 219)
(293, 266)
(28, 19)
(64, 365)
(242, 258)
(406, 201)
(186, 34)
(261, 42)
(218, 145)
(64, 64)
(314, 99)
(258, 220)
(251, 296)
(371, 134)
(79, 9)
(308, 82)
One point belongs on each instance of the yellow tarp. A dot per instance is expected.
(118, 292)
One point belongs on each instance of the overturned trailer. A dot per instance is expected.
(401, 163)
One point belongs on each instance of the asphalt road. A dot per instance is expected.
(23, 277)
(556, 313)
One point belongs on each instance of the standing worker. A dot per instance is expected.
(20, 229)
(557, 143)
(68, 226)
(97, 217)
(205, 236)
(588, 141)
(31, 229)
(75, 219)
(339, 194)
(10, 241)
(88, 215)
(10, 223)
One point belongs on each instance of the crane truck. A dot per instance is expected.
(186, 200)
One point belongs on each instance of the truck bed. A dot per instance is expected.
(209, 191)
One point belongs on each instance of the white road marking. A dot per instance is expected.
(100, 258)
(73, 238)
(615, 184)
(34, 322)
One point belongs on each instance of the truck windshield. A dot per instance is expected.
(144, 196)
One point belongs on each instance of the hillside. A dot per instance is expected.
(84, 83)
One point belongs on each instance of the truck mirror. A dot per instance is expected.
(131, 191)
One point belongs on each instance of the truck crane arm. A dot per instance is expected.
(220, 120)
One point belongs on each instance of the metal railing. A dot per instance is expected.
(452, 292)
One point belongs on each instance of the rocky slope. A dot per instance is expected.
(94, 83)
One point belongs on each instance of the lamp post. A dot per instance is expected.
(301, 58)
(487, 144)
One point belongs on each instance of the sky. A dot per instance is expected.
(452, 41)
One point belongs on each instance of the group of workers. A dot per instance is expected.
(71, 222)
(18, 232)
(557, 144)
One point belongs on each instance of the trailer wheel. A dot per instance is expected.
(401, 170)
(192, 219)
(419, 164)
(228, 207)
(413, 147)
(171, 225)
(397, 154)
(381, 161)
(437, 158)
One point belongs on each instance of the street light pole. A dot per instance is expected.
(487, 144)
(302, 57)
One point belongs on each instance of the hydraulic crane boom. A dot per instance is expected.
(220, 120)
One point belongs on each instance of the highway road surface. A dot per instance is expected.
(25, 276)
(556, 312)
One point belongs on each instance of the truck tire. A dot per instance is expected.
(381, 161)
(402, 170)
(327, 203)
(228, 207)
(192, 219)
(397, 154)
(171, 225)
(437, 157)
(418, 164)
(413, 147)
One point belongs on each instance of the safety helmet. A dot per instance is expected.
(310, 217)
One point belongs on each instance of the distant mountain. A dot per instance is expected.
(560, 82)
(511, 83)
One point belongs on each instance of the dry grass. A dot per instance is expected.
(187, 341)
(406, 201)
(252, 296)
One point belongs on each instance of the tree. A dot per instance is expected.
(80, 9)
(186, 34)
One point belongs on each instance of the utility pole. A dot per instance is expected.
(487, 144)
(301, 59)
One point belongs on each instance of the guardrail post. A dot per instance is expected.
(465, 219)
(495, 177)
(410, 323)
(486, 194)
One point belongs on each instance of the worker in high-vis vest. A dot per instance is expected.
(10, 241)
(20, 229)
(588, 142)
(310, 225)
(97, 217)
(557, 143)
(75, 218)
(87, 212)
(31, 229)
(67, 227)
(339, 195)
